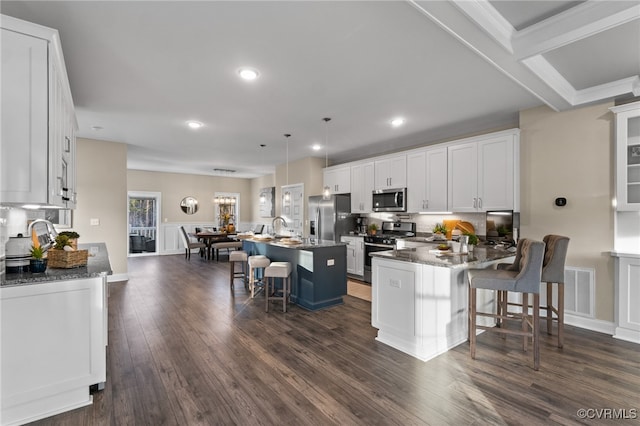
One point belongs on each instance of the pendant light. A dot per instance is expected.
(287, 194)
(326, 192)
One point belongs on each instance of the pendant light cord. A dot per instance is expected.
(326, 141)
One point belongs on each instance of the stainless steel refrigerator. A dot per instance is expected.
(332, 218)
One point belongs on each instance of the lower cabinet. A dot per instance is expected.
(355, 255)
(54, 338)
(627, 296)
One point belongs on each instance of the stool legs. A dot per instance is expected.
(559, 311)
(233, 274)
(270, 289)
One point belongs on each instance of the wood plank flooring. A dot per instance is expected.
(185, 350)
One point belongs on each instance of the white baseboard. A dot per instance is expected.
(632, 336)
(117, 277)
(592, 324)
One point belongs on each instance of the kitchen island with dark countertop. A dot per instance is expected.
(54, 337)
(420, 297)
(319, 269)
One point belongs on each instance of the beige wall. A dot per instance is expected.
(175, 186)
(102, 194)
(257, 184)
(569, 154)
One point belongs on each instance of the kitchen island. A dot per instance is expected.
(319, 269)
(420, 298)
(54, 337)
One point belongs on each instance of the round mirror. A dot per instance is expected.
(189, 205)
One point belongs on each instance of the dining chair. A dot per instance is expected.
(526, 280)
(188, 244)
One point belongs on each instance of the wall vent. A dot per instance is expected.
(579, 292)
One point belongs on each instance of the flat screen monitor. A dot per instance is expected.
(500, 225)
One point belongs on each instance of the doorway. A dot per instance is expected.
(144, 217)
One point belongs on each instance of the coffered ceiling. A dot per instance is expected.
(140, 69)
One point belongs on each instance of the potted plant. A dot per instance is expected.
(473, 240)
(373, 229)
(73, 238)
(440, 231)
(37, 263)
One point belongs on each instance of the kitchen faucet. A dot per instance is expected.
(278, 218)
(51, 231)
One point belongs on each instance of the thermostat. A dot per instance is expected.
(561, 201)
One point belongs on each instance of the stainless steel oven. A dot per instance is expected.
(371, 247)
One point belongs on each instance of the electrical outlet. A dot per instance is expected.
(331, 262)
(94, 222)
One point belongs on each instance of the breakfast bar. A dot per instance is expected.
(419, 297)
(319, 276)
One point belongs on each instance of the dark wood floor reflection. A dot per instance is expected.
(184, 350)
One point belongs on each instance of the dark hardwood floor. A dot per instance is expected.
(185, 350)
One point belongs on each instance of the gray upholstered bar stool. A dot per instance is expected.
(235, 257)
(525, 280)
(256, 263)
(273, 271)
(555, 254)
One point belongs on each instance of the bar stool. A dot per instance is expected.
(256, 263)
(555, 254)
(237, 256)
(273, 271)
(525, 280)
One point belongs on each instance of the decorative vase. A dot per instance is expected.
(37, 265)
(231, 229)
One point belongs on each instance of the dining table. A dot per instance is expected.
(211, 237)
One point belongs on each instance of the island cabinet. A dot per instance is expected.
(427, 180)
(338, 179)
(319, 275)
(420, 302)
(37, 150)
(482, 173)
(54, 337)
(391, 172)
(362, 186)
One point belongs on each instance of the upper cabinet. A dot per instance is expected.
(627, 156)
(362, 187)
(391, 172)
(482, 173)
(38, 120)
(338, 179)
(427, 180)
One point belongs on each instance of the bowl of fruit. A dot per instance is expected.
(443, 247)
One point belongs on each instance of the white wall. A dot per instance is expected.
(570, 154)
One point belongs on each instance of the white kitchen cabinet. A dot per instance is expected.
(391, 172)
(362, 187)
(38, 120)
(427, 180)
(355, 255)
(482, 173)
(53, 346)
(627, 295)
(627, 156)
(338, 179)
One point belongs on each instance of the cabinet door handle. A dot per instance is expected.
(427, 204)
(479, 203)
(475, 203)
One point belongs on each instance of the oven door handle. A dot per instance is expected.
(387, 246)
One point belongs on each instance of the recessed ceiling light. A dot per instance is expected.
(316, 147)
(194, 124)
(248, 73)
(397, 122)
(96, 128)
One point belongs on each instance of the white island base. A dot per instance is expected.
(53, 347)
(422, 310)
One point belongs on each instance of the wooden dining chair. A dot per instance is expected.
(189, 245)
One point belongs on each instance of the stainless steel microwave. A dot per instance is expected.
(390, 200)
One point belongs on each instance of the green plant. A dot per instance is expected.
(71, 234)
(37, 252)
(439, 229)
(473, 238)
(61, 242)
(373, 228)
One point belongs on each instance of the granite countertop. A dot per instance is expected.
(306, 244)
(97, 265)
(446, 260)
